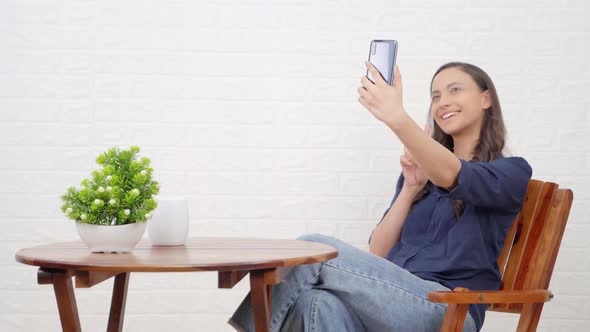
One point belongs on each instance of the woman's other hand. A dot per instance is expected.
(414, 176)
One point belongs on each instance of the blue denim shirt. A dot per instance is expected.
(435, 246)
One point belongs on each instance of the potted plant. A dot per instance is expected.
(112, 206)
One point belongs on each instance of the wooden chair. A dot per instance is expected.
(526, 262)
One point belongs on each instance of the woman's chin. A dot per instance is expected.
(451, 129)
(448, 130)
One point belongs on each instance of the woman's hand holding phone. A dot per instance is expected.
(382, 100)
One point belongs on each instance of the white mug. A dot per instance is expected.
(170, 222)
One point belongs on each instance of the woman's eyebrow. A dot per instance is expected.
(448, 85)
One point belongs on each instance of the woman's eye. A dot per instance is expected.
(455, 90)
(435, 98)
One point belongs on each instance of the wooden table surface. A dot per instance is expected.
(198, 254)
(265, 260)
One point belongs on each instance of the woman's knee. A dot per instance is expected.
(302, 306)
(325, 239)
(330, 313)
(321, 310)
(328, 304)
(346, 251)
(313, 300)
(314, 237)
(298, 317)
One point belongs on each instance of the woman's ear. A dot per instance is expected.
(486, 101)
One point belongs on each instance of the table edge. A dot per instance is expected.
(245, 266)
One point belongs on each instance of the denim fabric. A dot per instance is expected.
(321, 310)
(357, 291)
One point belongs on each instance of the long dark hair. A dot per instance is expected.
(492, 136)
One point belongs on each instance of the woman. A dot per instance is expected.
(445, 227)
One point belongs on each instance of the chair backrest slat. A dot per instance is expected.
(532, 243)
(537, 224)
(523, 222)
(503, 258)
(543, 262)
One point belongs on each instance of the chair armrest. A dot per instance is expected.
(491, 297)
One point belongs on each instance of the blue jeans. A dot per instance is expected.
(356, 291)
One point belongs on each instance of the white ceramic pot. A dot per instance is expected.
(117, 238)
(170, 222)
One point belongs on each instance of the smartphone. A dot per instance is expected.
(382, 54)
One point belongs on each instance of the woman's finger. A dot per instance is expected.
(397, 77)
(406, 161)
(403, 163)
(408, 154)
(375, 73)
(364, 102)
(367, 84)
(364, 93)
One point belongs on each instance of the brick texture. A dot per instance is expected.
(248, 108)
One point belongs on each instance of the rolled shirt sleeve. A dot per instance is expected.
(498, 184)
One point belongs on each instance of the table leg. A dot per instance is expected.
(64, 294)
(118, 301)
(269, 295)
(260, 301)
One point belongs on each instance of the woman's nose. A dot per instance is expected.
(444, 101)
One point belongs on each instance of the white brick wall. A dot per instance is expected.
(253, 105)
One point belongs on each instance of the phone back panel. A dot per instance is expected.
(382, 55)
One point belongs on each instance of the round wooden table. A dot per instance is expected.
(266, 260)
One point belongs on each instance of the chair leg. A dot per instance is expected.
(529, 317)
(455, 315)
(118, 302)
(269, 295)
(454, 318)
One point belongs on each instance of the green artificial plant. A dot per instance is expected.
(119, 193)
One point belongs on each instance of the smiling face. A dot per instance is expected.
(457, 103)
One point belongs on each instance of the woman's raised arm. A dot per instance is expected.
(439, 164)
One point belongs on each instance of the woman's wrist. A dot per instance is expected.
(411, 191)
(399, 121)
